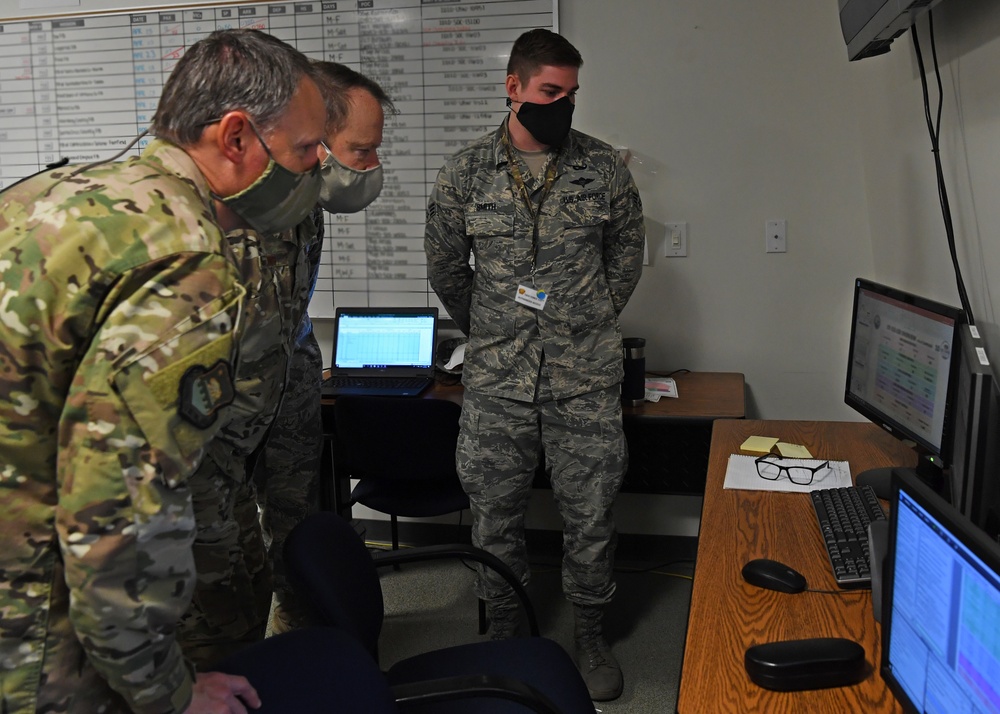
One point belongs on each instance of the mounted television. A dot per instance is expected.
(902, 374)
(870, 26)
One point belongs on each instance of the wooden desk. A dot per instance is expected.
(701, 397)
(668, 440)
(661, 460)
(727, 615)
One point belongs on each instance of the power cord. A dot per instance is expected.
(656, 569)
(934, 130)
(682, 370)
(861, 591)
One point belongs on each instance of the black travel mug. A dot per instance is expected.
(634, 384)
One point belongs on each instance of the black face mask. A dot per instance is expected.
(548, 123)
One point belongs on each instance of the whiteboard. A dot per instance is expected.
(82, 86)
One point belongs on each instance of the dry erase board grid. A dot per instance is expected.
(83, 86)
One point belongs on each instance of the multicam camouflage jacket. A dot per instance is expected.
(585, 256)
(119, 302)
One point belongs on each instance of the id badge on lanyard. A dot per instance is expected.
(529, 295)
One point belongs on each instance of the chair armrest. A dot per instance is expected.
(463, 552)
(450, 689)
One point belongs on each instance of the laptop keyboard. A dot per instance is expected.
(336, 386)
(374, 382)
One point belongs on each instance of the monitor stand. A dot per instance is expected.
(880, 480)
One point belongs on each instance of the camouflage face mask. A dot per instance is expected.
(347, 190)
(279, 199)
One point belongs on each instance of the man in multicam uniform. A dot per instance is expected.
(121, 306)
(286, 471)
(554, 222)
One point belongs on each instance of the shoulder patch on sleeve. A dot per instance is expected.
(204, 391)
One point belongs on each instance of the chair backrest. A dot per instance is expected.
(330, 566)
(382, 436)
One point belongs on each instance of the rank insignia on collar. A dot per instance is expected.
(204, 391)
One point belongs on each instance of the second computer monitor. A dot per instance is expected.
(902, 367)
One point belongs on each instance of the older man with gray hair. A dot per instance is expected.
(121, 311)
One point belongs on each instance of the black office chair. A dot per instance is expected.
(402, 451)
(336, 576)
(322, 669)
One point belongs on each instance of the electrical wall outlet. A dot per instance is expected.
(774, 237)
(675, 244)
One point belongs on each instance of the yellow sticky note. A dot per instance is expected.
(758, 444)
(793, 451)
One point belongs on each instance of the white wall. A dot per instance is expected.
(908, 237)
(737, 113)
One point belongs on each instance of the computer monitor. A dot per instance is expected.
(940, 615)
(901, 373)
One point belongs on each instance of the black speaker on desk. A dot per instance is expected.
(634, 384)
(878, 544)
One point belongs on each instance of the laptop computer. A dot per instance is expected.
(379, 351)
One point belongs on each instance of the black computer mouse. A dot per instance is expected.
(771, 574)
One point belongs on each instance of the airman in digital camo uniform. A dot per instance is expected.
(554, 221)
(234, 558)
(233, 598)
(287, 470)
(121, 305)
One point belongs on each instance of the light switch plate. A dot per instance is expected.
(675, 244)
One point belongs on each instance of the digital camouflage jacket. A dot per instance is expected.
(585, 256)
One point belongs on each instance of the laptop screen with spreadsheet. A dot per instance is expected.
(391, 341)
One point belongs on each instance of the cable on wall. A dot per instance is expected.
(934, 129)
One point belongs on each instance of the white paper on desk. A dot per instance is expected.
(657, 387)
(664, 385)
(741, 473)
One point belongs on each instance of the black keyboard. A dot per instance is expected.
(374, 386)
(844, 515)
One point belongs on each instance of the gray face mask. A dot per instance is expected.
(279, 199)
(347, 190)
